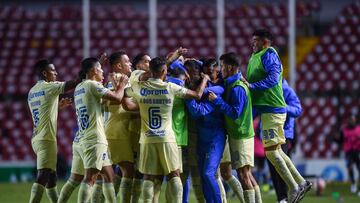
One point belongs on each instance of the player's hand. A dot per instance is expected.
(103, 59)
(212, 96)
(122, 81)
(245, 81)
(205, 76)
(64, 102)
(181, 51)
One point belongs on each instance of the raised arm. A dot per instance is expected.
(190, 94)
(175, 55)
(69, 85)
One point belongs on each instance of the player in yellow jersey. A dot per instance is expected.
(43, 101)
(158, 148)
(88, 95)
(123, 144)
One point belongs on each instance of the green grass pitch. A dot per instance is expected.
(19, 192)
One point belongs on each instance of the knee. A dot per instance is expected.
(173, 174)
(127, 169)
(43, 176)
(76, 177)
(244, 174)
(90, 180)
(208, 176)
(107, 174)
(138, 175)
(90, 176)
(52, 180)
(226, 173)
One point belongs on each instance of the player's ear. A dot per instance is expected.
(119, 65)
(43, 74)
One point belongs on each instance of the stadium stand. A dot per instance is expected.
(330, 71)
(55, 33)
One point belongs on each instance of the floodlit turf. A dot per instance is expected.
(19, 192)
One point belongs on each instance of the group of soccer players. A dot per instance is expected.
(157, 118)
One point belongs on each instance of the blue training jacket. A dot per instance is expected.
(237, 100)
(209, 120)
(293, 109)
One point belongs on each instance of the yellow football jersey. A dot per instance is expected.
(89, 113)
(43, 100)
(155, 98)
(117, 117)
(134, 77)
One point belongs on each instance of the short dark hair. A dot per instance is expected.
(86, 65)
(263, 33)
(194, 64)
(230, 59)
(137, 59)
(40, 66)
(209, 62)
(156, 64)
(115, 57)
(176, 72)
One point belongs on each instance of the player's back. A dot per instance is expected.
(87, 98)
(43, 101)
(156, 99)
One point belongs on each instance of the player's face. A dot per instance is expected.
(50, 73)
(144, 63)
(194, 74)
(125, 65)
(224, 70)
(257, 44)
(99, 73)
(212, 71)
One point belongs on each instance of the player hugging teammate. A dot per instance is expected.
(165, 118)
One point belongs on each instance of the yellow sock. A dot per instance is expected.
(222, 190)
(84, 194)
(249, 196)
(52, 194)
(157, 190)
(294, 172)
(258, 198)
(174, 190)
(97, 192)
(148, 191)
(109, 192)
(125, 190)
(67, 190)
(280, 165)
(136, 190)
(235, 185)
(37, 191)
(117, 182)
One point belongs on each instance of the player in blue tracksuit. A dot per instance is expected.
(210, 143)
(293, 110)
